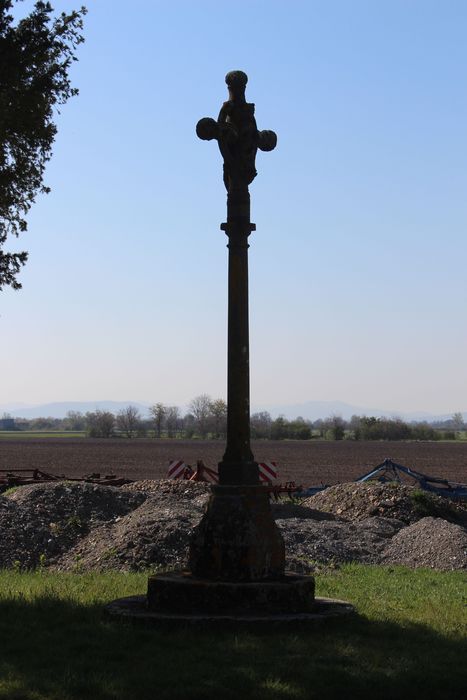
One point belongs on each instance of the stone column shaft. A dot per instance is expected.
(238, 465)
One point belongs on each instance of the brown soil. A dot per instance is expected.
(307, 463)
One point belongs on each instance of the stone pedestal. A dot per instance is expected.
(178, 592)
(237, 538)
(136, 609)
(237, 560)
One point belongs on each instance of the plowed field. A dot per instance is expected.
(307, 463)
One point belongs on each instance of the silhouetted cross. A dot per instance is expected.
(237, 134)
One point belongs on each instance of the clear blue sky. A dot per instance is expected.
(358, 288)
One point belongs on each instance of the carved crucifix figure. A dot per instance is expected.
(237, 134)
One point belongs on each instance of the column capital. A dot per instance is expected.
(232, 227)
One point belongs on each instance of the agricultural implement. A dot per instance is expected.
(267, 474)
(391, 471)
(23, 477)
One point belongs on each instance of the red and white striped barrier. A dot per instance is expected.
(203, 473)
(178, 470)
(267, 471)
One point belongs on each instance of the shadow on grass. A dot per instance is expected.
(60, 650)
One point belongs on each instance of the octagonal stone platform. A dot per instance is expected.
(178, 598)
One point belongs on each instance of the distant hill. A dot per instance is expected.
(9, 407)
(310, 410)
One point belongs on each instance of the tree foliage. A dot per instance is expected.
(100, 423)
(128, 420)
(337, 427)
(200, 408)
(158, 412)
(260, 425)
(35, 57)
(218, 421)
(283, 429)
(172, 420)
(457, 421)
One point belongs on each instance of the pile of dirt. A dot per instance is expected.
(314, 544)
(40, 522)
(171, 490)
(148, 524)
(154, 535)
(358, 501)
(432, 543)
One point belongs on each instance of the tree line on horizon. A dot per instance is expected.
(206, 418)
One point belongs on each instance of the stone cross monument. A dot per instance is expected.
(237, 558)
(237, 554)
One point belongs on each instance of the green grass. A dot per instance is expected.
(9, 491)
(407, 641)
(426, 504)
(35, 434)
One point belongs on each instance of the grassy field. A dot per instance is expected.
(37, 434)
(40, 434)
(406, 641)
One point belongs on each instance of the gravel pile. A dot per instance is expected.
(360, 501)
(310, 544)
(148, 524)
(38, 523)
(172, 490)
(431, 542)
(156, 534)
